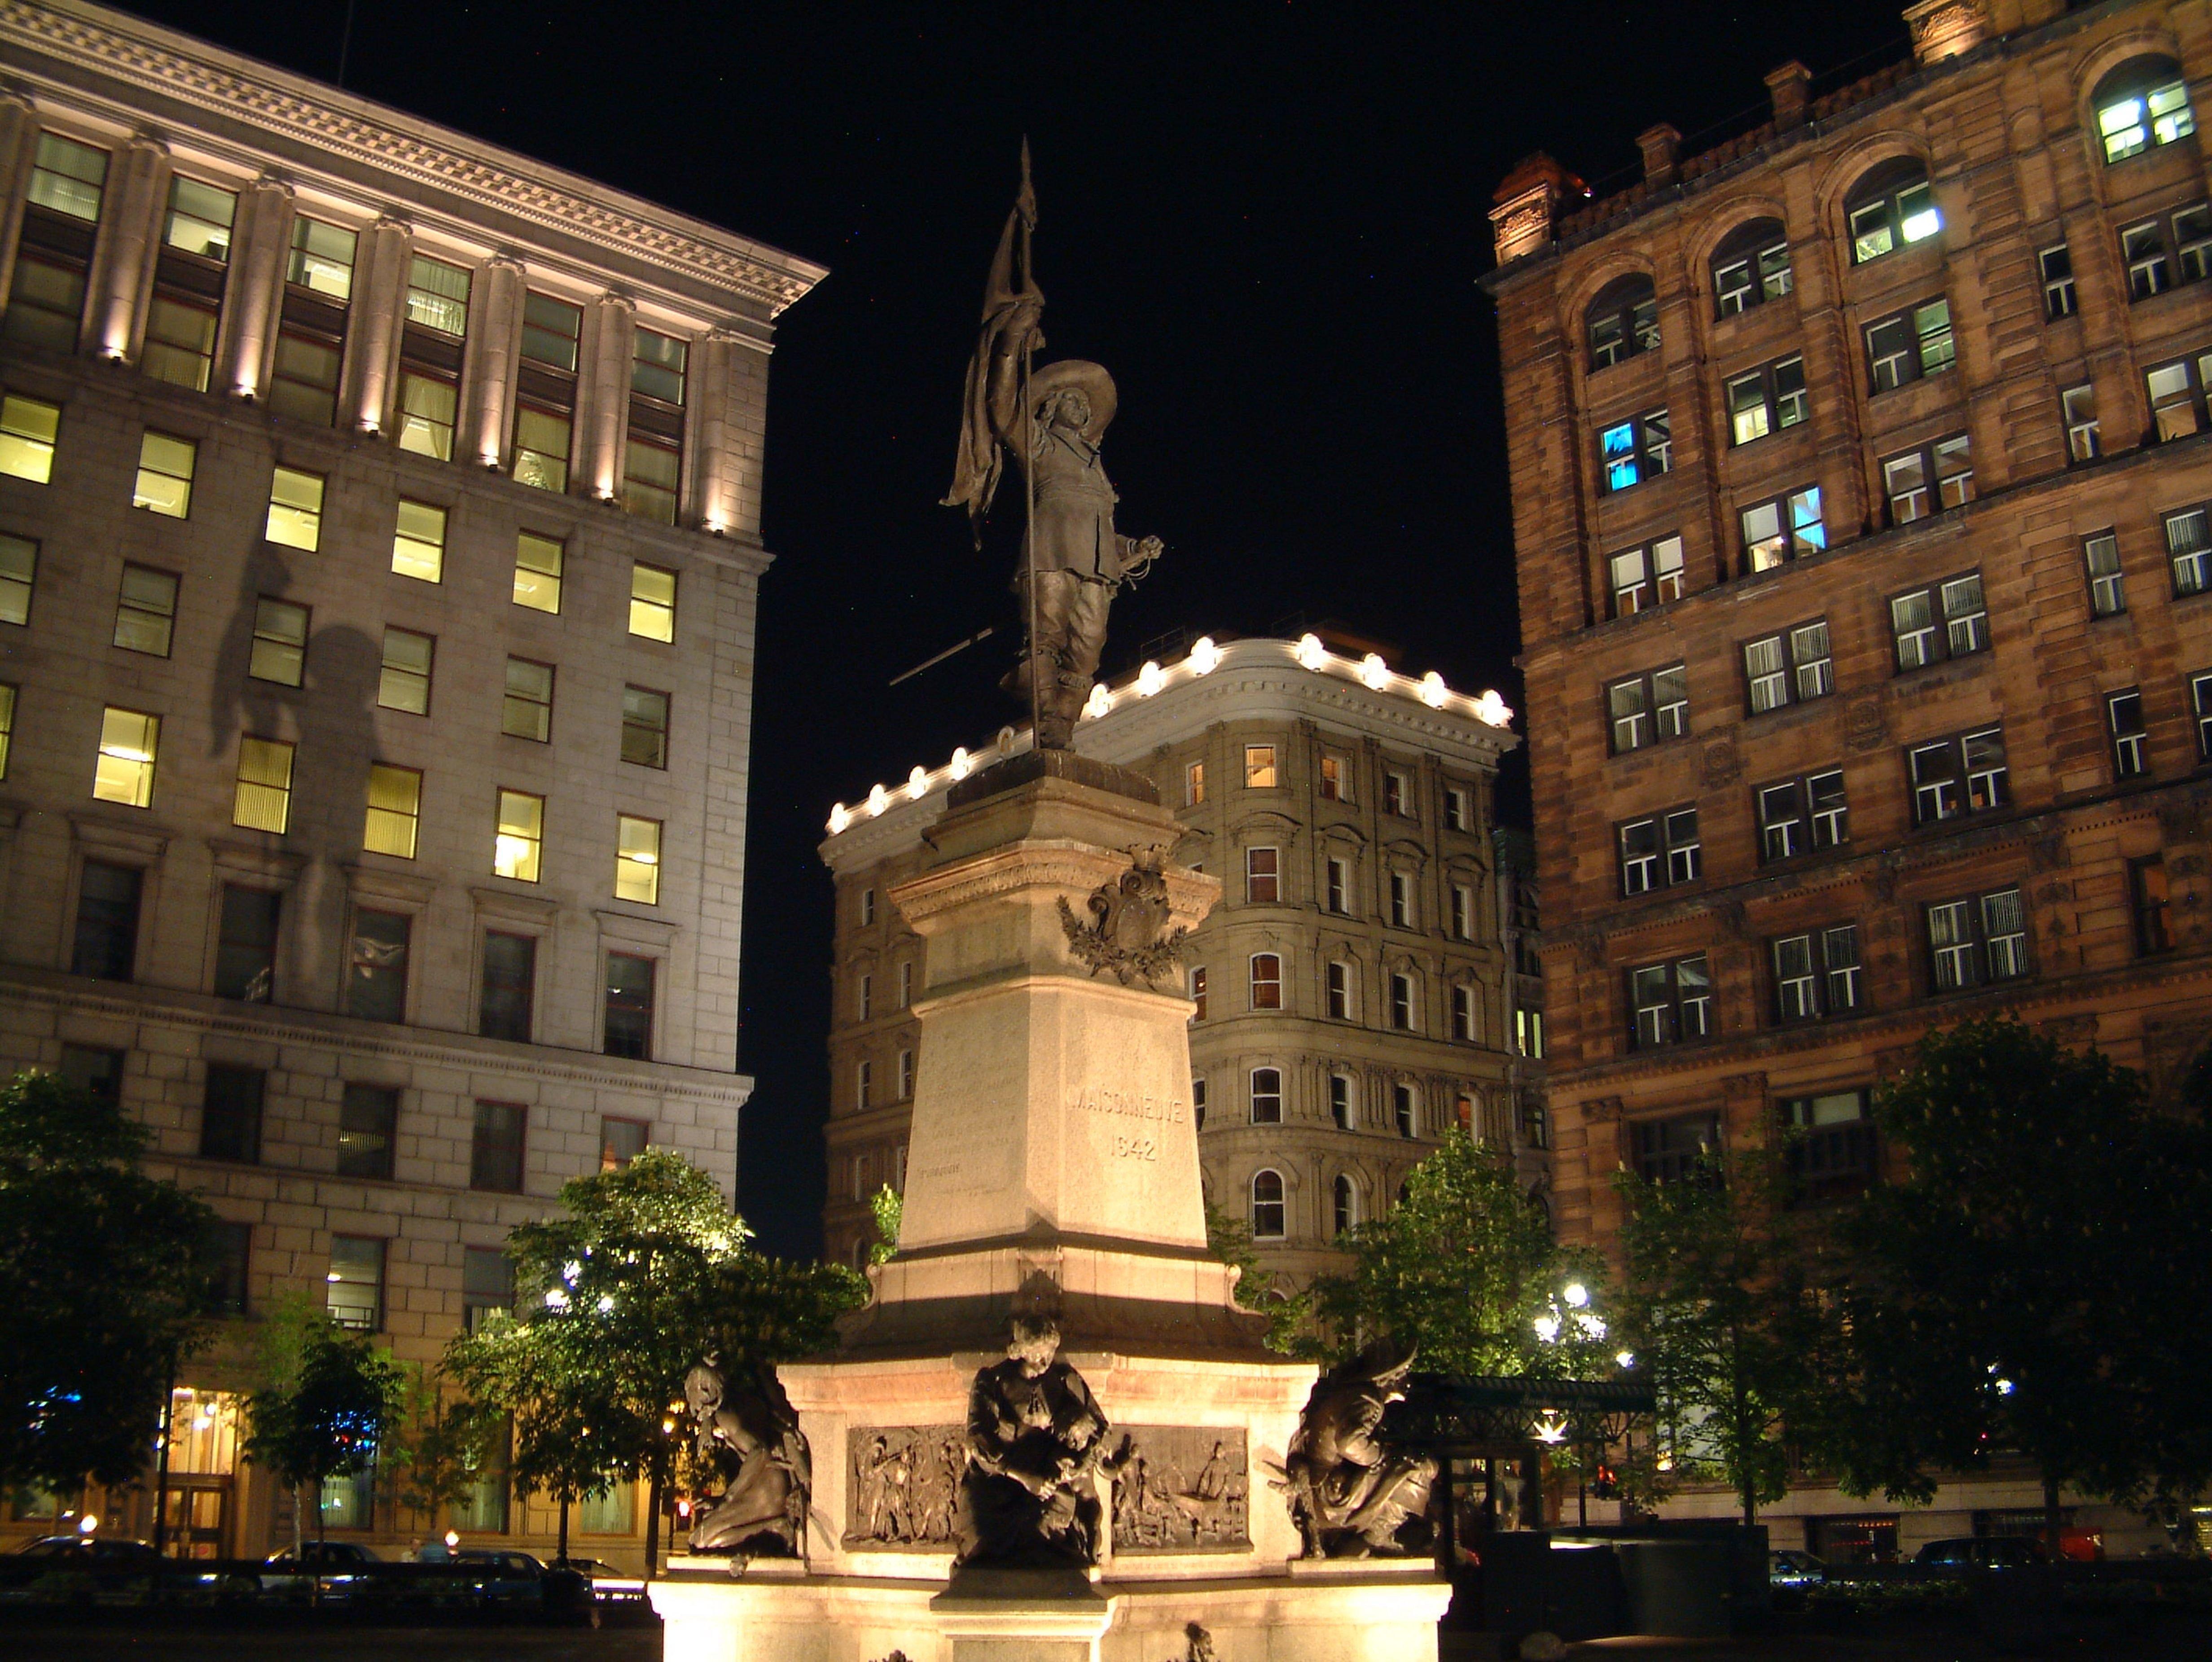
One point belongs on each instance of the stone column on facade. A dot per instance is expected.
(378, 296)
(256, 258)
(19, 142)
(123, 268)
(722, 440)
(604, 394)
(497, 348)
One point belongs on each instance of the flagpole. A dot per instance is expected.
(1029, 481)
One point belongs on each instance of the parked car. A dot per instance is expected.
(608, 1584)
(1982, 1552)
(336, 1565)
(92, 1548)
(505, 1576)
(73, 1568)
(1789, 1568)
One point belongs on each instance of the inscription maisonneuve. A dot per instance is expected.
(1130, 1144)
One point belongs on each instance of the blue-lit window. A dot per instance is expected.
(1635, 450)
(2142, 105)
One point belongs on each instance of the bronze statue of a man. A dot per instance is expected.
(1035, 1438)
(1051, 418)
(1351, 1495)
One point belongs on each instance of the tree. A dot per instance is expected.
(326, 1400)
(886, 1211)
(106, 1276)
(1719, 1308)
(1258, 1289)
(1460, 1269)
(645, 1274)
(438, 1444)
(2029, 1286)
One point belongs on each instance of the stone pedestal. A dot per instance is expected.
(1053, 1171)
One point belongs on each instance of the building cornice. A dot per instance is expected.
(293, 109)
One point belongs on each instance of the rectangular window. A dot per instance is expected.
(19, 569)
(279, 642)
(186, 302)
(2124, 716)
(232, 1277)
(2054, 268)
(1463, 913)
(1660, 851)
(1262, 879)
(1403, 1011)
(356, 1284)
(1766, 399)
(166, 464)
(1929, 479)
(1341, 1002)
(1401, 901)
(864, 1084)
(1198, 994)
(1949, 620)
(404, 681)
(621, 1141)
(538, 561)
(310, 328)
(520, 839)
(651, 471)
(487, 1285)
(906, 1076)
(29, 429)
(1397, 795)
(2108, 594)
(2189, 548)
(245, 944)
(368, 1131)
(545, 392)
(431, 343)
(1645, 577)
(376, 970)
(1832, 1144)
(652, 601)
(1463, 1021)
(1816, 973)
(1648, 709)
(68, 185)
(645, 727)
(2077, 408)
(1803, 815)
(230, 1114)
(629, 1024)
(1787, 528)
(864, 998)
(1640, 448)
(2200, 704)
(1404, 1109)
(295, 509)
(1340, 1101)
(1259, 766)
(7, 723)
(1455, 808)
(1788, 668)
(130, 740)
(906, 984)
(145, 611)
(1980, 939)
(418, 542)
(1267, 980)
(1671, 1003)
(637, 859)
(2192, 242)
(509, 987)
(1194, 784)
(107, 941)
(2143, 250)
(2150, 900)
(1951, 777)
(1331, 782)
(395, 810)
(496, 1147)
(95, 1070)
(1914, 343)
(526, 709)
(1267, 1096)
(263, 801)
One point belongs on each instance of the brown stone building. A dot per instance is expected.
(1860, 469)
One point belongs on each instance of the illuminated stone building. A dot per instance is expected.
(378, 558)
(1859, 467)
(1350, 992)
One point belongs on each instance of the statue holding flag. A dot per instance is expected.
(1052, 417)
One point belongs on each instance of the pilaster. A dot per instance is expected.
(256, 285)
(374, 353)
(123, 265)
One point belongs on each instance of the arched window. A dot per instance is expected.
(1751, 267)
(1892, 206)
(2143, 104)
(1267, 1096)
(1347, 1204)
(1266, 1206)
(1267, 980)
(1623, 321)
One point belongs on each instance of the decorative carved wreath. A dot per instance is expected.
(1128, 915)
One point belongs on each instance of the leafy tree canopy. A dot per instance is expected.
(105, 1276)
(326, 1400)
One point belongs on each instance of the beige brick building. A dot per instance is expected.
(1350, 997)
(1858, 467)
(379, 566)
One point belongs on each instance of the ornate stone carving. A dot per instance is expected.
(1127, 933)
(2049, 853)
(1601, 1111)
(762, 1511)
(1720, 766)
(1866, 723)
(903, 1485)
(1350, 1495)
(1036, 1440)
(1181, 1488)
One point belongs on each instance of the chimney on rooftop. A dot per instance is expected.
(1791, 89)
(1528, 203)
(1659, 145)
(1944, 29)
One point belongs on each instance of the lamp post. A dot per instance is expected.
(1572, 1332)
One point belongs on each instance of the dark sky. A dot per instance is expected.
(1266, 220)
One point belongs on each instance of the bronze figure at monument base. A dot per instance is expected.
(762, 1511)
(1035, 1438)
(1352, 1497)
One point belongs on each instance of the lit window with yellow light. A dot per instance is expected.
(264, 802)
(28, 428)
(521, 838)
(418, 545)
(295, 509)
(7, 723)
(404, 681)
(129, 741)
(19, 570)
(395, 809)
(637, 859)
(652, 601)
(165, 475)
(537, 573)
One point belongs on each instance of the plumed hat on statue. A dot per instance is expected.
(1049, 381)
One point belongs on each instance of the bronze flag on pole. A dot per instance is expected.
(1013, 309)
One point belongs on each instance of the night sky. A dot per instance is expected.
(1266, 220)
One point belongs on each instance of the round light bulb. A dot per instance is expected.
(1374, 673)
(1205, 656)
(1311, 653)
(917, 783)
(1151, 679)
(1575, 1294)
(1433, 690)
